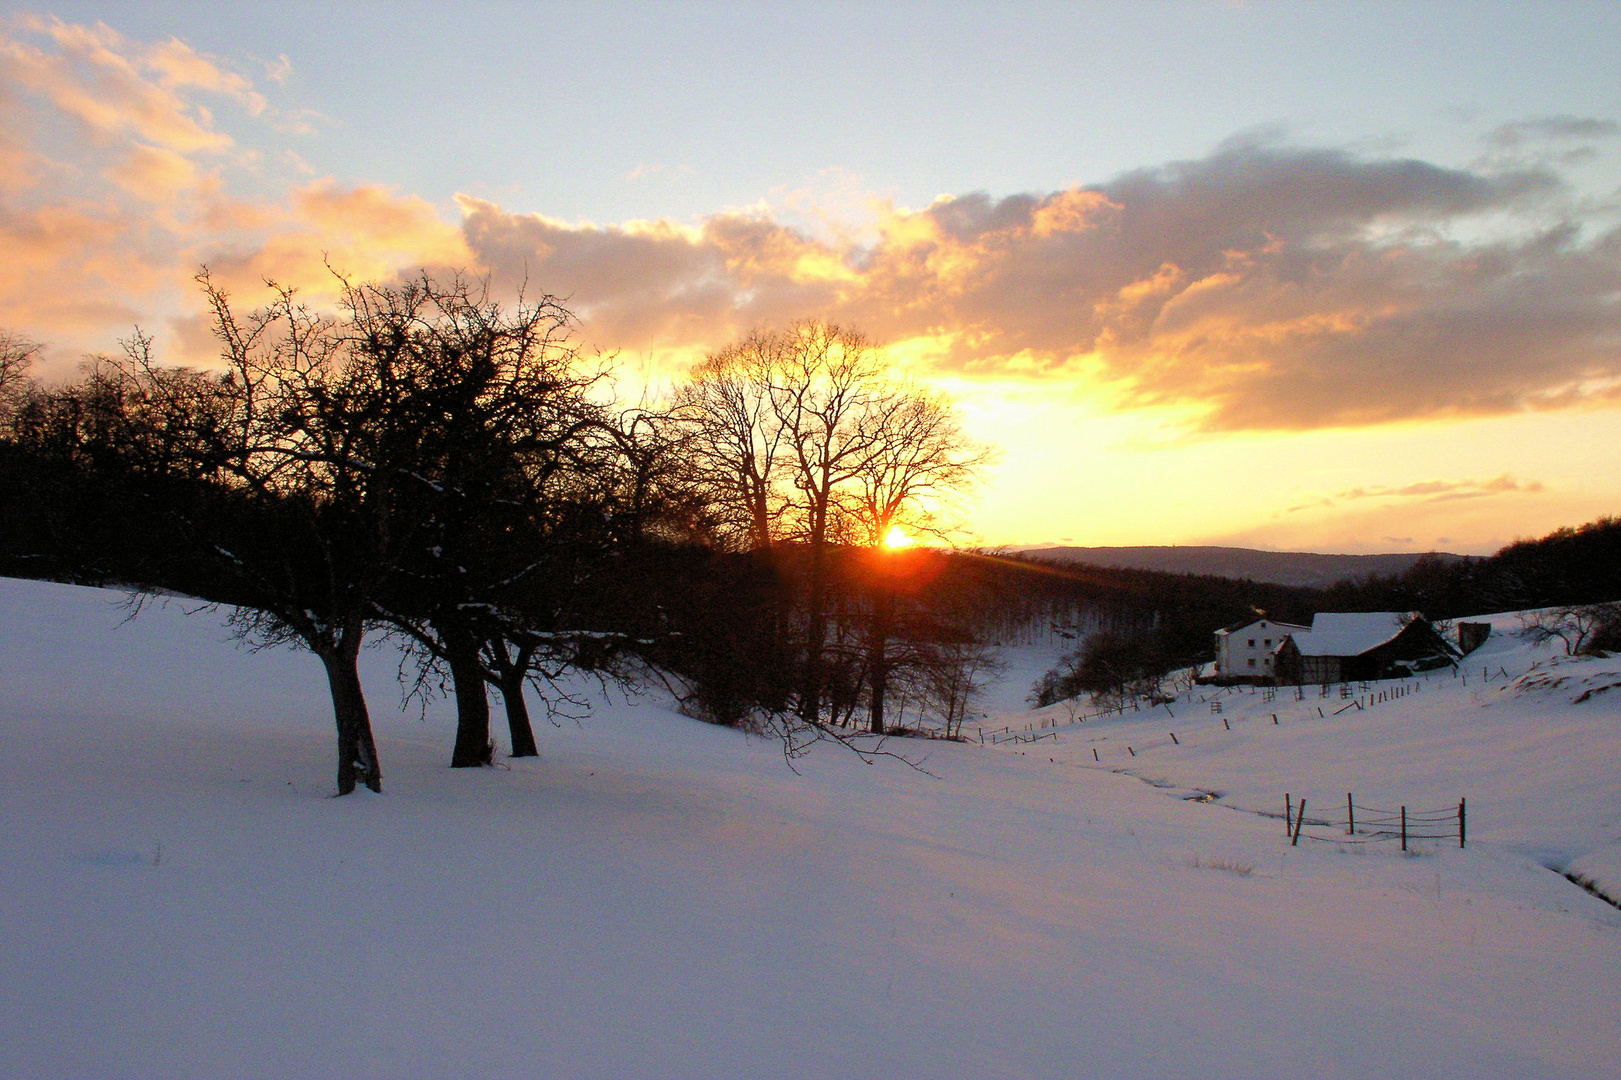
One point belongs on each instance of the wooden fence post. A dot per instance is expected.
(1225, 724)
(1300, 821)
(1288, 813)
(1350, 815)
(1404, 828)
(1095, 754)
(1463, 821)
(1174, 741)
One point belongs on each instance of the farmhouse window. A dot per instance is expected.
(1252, 661)
(1252, 643)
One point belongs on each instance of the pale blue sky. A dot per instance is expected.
(553, 108)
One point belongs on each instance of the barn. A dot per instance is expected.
(1346, 646)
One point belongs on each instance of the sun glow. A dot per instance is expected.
(898, 537)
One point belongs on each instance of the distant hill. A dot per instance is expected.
(1300, 568)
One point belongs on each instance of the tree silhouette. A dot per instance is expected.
(804, 438)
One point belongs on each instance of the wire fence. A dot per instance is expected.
(1050, 726)
(1033, 730)
(1373, 825)
(1356, 694)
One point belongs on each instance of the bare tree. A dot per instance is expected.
(1575, 626)
(917, 462)
(806, 438)
(920, 463)
(945, 677)
(302, 437)
(17, 353)
(275, 486)
(490, 422)
(829, 381)
(736, 433)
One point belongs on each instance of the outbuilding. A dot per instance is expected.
(1346, 646)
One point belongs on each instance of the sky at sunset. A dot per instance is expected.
(1331, 277)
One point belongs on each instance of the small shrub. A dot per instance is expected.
(1227, 866)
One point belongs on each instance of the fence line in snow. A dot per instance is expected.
(1377, 825)
(1047, 727)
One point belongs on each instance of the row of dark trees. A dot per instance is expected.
(1576, 565)
(433, 464)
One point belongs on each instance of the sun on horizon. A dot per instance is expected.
(897, 538)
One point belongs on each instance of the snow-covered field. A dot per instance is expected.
(655, 897)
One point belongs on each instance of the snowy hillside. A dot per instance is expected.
(1506, 732)
(655, 897)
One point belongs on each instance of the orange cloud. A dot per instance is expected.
(177, 65)
(1430, 491)
(117, 181)
(99, 79)
(154, 173)
(365, 233)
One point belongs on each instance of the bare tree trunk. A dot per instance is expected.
(472, 701)
(810, 695)
(357, 751)
(760, 522)
(523, 735)
(879, 677)
(883, 605)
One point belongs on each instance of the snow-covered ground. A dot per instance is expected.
(655, 897)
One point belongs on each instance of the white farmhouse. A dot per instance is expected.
(1249, 650)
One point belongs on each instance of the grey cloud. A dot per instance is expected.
(1519, 132)
(1296, 215)
(641, 287)
(1279, 287)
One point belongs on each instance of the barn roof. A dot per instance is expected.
(1352, 633)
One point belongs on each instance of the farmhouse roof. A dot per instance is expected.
(1256, 620)
(1353, 633)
